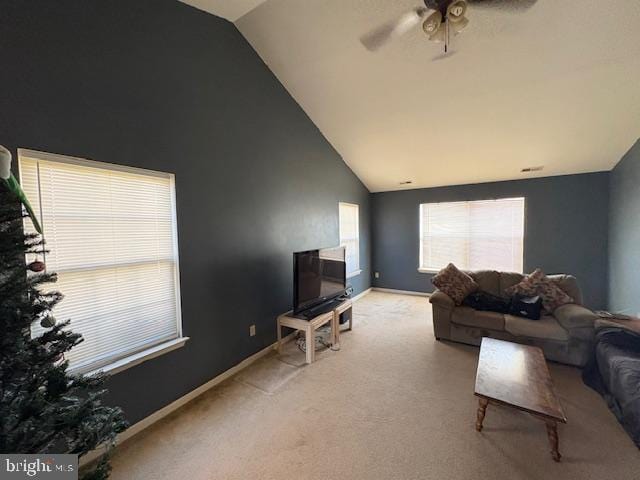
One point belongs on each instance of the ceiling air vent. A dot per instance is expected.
(532, 169)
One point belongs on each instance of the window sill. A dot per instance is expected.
(428, 270)
(140, 357)
(355, 273)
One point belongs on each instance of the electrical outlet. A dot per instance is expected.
(252, 331)
(377, 274)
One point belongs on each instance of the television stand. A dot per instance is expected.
(310, 326)
(319, 310)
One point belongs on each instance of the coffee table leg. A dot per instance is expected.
(552, 433)
(482, 410)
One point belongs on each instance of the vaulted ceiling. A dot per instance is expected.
(229, 9)
(557, 86)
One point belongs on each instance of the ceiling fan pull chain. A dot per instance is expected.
(446, 35)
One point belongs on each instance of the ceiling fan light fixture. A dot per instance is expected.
(432, 23)
(440, 35)
(460, 25)
(456, 11)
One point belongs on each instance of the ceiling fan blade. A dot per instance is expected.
(386, 32)
(514, 6)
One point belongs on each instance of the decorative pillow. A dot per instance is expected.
(454, 283)
(537, 283)
(528, 285)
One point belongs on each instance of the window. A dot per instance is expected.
(487, 234)
(350, 236)
(111, 236)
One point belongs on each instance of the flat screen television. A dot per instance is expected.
(318, 277)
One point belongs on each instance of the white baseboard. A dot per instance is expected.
(361, 294)
(402, 292)
(173, 406)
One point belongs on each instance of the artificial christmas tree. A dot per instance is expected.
(43, 408)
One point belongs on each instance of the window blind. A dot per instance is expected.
(350, 235)
(111, 236)
(478, 235)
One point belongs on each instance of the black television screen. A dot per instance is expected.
(318, 276)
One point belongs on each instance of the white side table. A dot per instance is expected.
(310, 326)
(339, 310)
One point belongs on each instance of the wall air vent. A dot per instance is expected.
(531, 169)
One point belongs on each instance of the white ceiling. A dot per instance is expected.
(557, 86)
(229, 9)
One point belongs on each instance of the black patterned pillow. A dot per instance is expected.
(454, 283)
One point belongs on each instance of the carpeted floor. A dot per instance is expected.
(392, 404)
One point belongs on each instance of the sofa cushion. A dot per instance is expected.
(487, 280)
(547, 327)
(569, 285)
(537, 283)
(508, 280)
(475, 318)
(454, 283)
(575, 316)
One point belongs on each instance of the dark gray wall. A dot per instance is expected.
(566, 229)
(157, 84)
(624, 234)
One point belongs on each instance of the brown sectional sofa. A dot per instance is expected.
(566, 336)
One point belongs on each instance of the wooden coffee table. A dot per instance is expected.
(517, 376)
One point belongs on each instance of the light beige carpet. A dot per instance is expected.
(392, 404)
(268, 375)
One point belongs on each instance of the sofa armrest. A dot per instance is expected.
(442, 300)
(572, 316)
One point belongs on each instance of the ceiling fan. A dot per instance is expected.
(441, 19)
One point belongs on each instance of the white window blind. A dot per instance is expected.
(487, 234)
(350, 236)
(111, 236)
